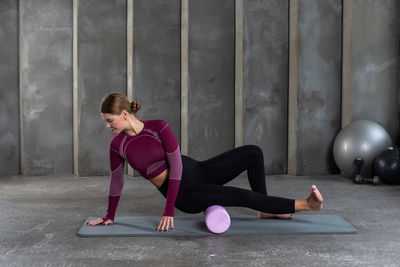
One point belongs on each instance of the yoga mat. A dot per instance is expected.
(301, 224)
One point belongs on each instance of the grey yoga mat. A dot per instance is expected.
(301, 224)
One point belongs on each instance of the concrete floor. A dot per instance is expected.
(40, 217)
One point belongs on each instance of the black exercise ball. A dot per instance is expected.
(387, 165)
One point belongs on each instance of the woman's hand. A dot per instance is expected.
(99, 221)
(165, 222)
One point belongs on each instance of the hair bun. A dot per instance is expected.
(135, 106)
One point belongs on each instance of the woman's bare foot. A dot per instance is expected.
(314, 201)
(263, 215)
(99, 221)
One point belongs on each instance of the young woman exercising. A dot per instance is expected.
(191, 186)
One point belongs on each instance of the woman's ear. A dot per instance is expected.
(125, 114)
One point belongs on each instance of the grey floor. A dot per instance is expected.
(40, 217)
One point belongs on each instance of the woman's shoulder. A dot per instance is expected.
(156, 124)
(116, 140)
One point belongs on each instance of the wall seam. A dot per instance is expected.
(239, 73)
(347, 83)
(75, 85)
(21, 113)
(293, 88)
(184, 77)
(129, 60)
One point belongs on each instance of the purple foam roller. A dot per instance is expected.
(217, 219)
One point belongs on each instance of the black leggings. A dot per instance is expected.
(203, 182)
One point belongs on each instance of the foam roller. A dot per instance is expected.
(217, 219)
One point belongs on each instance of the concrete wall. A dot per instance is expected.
(45, 84)
(101, 70)
(319, 84)
(156, 65)
(211, 70)
(46, 80)
(265, 80)
(375, 51)
(9, 111)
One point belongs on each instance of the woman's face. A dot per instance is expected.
(114, 122)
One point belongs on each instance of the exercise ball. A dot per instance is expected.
(364, 139)
(387, 165)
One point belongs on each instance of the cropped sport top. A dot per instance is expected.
(150, 152)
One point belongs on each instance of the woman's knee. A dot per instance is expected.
(188, 206)
(255, 151)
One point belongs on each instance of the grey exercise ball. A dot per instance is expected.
(362, 138)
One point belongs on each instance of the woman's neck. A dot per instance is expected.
(134, 126)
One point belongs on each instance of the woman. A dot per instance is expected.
(189, 185)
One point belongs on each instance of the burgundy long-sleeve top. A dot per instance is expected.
(150, 152)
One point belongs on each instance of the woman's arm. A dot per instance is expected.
(174, 159)
(117, 164)
(116, 184)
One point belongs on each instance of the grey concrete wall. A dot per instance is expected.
(319, 84)
(46, 77)
(101, 70)
(46, 82)
(211, 70)
(156, 65)
(266, 80)
(9, 106)
(376, 63)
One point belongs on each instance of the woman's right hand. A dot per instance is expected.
(99, 221)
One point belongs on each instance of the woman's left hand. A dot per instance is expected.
(165, 222)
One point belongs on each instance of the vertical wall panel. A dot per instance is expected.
(376, 63)
(346, 109)
(212, 69)
(101, 70)
(239, 37)
(184, 76)
(156, 66)
(293, 87)
(45, 86)
(9, 111)
(319, 84)
(266, 80)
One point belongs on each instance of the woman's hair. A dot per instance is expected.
(114, 103)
